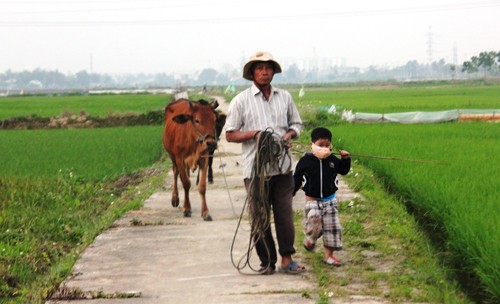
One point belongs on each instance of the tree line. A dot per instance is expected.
(485, 61)
(486, 64)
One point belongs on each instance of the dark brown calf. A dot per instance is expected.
(219, 124)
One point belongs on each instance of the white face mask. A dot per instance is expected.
(320, 152)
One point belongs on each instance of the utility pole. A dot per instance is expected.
(91, 71)
(455, 60)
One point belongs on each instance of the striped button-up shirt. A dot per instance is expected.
(249, 110)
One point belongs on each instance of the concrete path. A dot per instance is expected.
(155, 255)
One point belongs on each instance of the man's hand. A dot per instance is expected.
(287, 137)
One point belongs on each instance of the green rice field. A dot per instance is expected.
(392, 99)
(458, 194)
(95, 105)
(90, 153)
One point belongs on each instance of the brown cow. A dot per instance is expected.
(188, 137)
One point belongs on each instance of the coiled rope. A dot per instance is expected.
(270, 149)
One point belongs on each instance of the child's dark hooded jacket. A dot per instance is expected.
(319, 174)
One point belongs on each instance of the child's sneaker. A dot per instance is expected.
(332, 261)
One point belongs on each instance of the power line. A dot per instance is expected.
(89, 2)
(115, 9)
(346, 14)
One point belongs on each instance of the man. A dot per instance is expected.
(251, 114)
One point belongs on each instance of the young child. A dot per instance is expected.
(319, 171)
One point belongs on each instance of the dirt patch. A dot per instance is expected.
(124, 181)
(479, 117)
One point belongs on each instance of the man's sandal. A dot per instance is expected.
(266, 270)
(292, 268)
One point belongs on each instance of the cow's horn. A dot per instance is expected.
(215, 104)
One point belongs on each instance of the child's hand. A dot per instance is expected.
(344, 154)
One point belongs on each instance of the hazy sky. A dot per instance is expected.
(152, 36)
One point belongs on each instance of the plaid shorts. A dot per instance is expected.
(322, 219)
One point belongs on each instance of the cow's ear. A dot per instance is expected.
(221, 119)
(183, 118)
(215, 104)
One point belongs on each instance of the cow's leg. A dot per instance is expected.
(210, 171)
(202, 188)
(175, 191)
(186, 184)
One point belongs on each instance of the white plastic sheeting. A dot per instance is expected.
(423, 117)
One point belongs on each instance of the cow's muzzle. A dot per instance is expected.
(211, 146)
(202, 138)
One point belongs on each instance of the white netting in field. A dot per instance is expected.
(424, 117)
